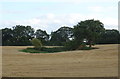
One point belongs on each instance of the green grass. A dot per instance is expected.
(43, 50)
(51, 50)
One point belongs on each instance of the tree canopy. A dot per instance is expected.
(18, 35)
(42, 35)
(91, 31)
(61, 36)
(109, 37)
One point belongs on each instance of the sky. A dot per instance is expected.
(50, 15)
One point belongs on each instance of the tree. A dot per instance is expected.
(0, 37)
(7, 36)
(22, 35)
(61, 36)
(109, 37)
(88, 29)
(36, 43)
(42, 35)
(18, 35)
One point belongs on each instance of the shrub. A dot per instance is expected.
(82, 46)
(36, 43)
(72, 45)
(43, 50)
(54, 49)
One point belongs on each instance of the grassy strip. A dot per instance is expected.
(43, 50)
(51, 50)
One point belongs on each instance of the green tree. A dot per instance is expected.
(61, 36)
(42, 35)
(109, 37)
(7, 36)
(22, 35)
(36, 43)
(88, 29)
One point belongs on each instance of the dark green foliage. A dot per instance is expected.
(33, 50)
(88, 29)
(0, 37)
(76, 45)
(18, 35)
(7, 36)
(43, 36)
(43, 50)
(54, 49)
(72, 45)
(61, 36)
(109, 37)
(22, 35)
(72, 38)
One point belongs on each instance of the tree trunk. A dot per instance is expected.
(90, 44)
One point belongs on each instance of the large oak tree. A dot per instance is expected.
(89, 30)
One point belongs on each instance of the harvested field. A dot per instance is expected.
(102, 62)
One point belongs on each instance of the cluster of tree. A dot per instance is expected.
(17, 35)
(61, 36)
(20, 35)
(89, 31)
(109, 37)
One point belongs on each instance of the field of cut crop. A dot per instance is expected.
(102, 62)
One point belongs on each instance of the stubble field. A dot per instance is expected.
(102, 62)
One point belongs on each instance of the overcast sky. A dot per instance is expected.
(50, 15)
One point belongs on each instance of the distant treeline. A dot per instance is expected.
(20, 35)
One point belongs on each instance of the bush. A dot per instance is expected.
(36, 43)
(31, 50)
(82, 46)
(43, 50)
(54, 49)
(72, 45)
